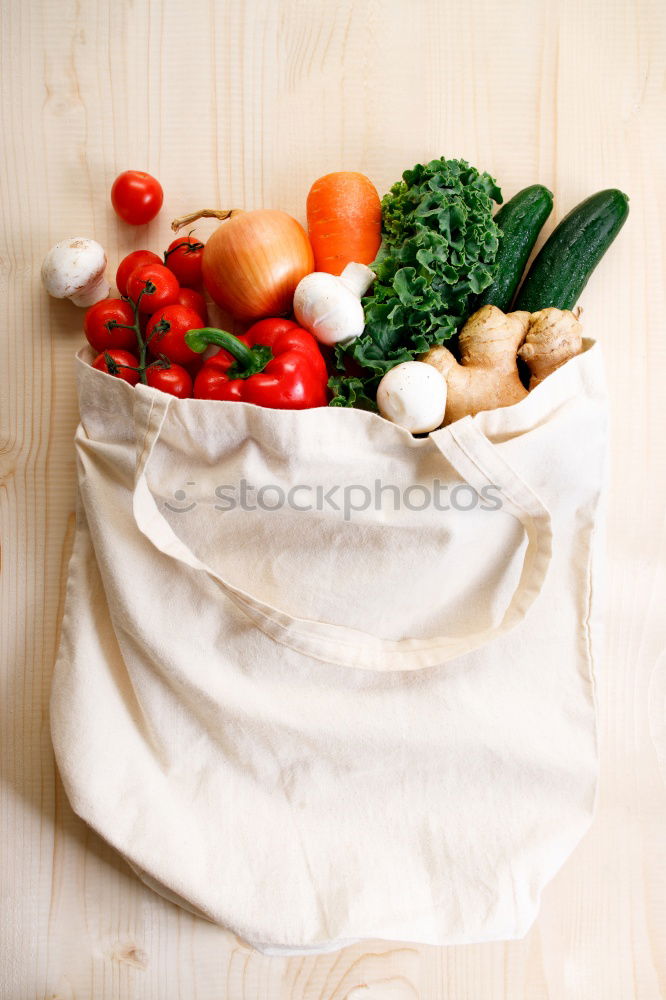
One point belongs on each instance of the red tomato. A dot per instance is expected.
(119, 358)
(136, 197)
(174, 380)
(96, 329)
(194, 300)
(130, 263)
(174, 321)
(165, 284)
(184, 258)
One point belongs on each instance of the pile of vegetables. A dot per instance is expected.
(438, 251)
(401, 305)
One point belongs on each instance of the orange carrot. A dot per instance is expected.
(344, 221)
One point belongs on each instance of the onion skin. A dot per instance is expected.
(253, 262)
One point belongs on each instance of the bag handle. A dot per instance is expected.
(476, 461)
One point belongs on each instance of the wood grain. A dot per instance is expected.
(245, 103)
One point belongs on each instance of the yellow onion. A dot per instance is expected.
(253, 261)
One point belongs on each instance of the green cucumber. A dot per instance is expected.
(564, 264)
(520, 220)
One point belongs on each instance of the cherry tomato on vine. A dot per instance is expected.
(130, 263)
(183, 257)
(166, 331)
(174, 380)
(194, 300)
(136, 197)
(119, 359)
(97, 332)
(155, 276)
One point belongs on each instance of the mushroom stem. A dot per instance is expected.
(357, 278)
(89, 296)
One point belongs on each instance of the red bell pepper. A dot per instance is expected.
(275, 363)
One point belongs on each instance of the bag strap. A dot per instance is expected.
(476, 460)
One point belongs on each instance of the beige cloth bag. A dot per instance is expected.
(319, 725)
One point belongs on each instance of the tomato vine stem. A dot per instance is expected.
(142, 344)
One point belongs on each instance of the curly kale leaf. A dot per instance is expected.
(349, 390)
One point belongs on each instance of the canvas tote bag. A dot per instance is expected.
(320, 680)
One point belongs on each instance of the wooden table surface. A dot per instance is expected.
(245, 104)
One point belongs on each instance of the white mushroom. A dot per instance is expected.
(74, 269)
(410, 396)
(329, 305)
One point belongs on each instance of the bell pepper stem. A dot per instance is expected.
(249, 360)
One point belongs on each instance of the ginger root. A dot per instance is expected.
(554, 336)
(487, 376)
(490, 342)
